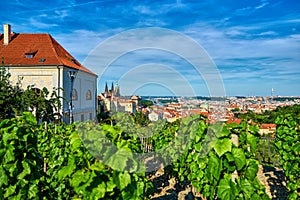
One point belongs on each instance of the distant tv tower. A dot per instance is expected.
(272, 92)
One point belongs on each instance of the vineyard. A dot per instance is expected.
(118, 160)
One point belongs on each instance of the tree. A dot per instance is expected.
(235, 110)
(141, 119)
(44, 105)
(9, 94)
(269, 116)
(14, 100)
(146, 103)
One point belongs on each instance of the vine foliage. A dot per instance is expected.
(288, 146)
(48, 161)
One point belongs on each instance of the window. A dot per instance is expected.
(74, 95)
(91, 116)
(88, 95)
(82, 117)
(29, 55)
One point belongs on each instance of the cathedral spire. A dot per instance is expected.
(106, 88)
(112, 88)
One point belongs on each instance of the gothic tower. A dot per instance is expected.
(117, 90)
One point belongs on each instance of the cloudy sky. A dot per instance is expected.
(249, 46)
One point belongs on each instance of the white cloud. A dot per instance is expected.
(263, 4)
(81, 42)
(273, 55)
(61, 14)
(40, 24)
(250, 9)
(159, 74)
(245, 43)
(267, 33)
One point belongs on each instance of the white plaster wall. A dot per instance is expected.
(57, 77)
(46, 77)
(85, 109)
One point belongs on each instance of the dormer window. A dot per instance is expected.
(30, 54)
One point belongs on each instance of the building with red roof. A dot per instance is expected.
(39, 60)
(265, 129)
(112, 101)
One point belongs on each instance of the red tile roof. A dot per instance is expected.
(267, 126)
(235, 120)
(42, 46)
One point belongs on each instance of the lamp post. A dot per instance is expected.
(72, 75)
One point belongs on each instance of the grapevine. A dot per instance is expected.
(288, 146)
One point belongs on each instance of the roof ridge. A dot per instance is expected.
(69, 57)
(50, 38)
(50, 52)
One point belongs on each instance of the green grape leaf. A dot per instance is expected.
(252, 169)
(227, 189)
(9, 136)
(98, 192)
(9, 154)
(110, 185)
(67, 170)
(33, 191)
(222, 146)
(225, 132)
(29, 117)
(253, 141)
(26, 170)
(246, 187)
(229, 166)
(122, 179)
(118, 161)
(10, 190)
(229, 157)
(3, 177)
(214, 166)
(77, 178)
(76, 142)
(239, 158)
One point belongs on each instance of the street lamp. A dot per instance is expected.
(72, 75)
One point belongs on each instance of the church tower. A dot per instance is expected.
(112, 89)
(117, 90)
(106, 93)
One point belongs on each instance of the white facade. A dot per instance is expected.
(39, 60)
(86, 103)
(155, 115)
(85, 85)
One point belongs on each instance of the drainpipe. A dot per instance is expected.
(58, 88)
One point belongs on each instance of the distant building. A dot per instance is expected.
(155, 115)
(137, 100)
(111, 101)
(234, 120)
(266, 129)
(39, 60)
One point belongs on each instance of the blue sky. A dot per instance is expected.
(255, 44)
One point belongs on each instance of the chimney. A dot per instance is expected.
(7, 32)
